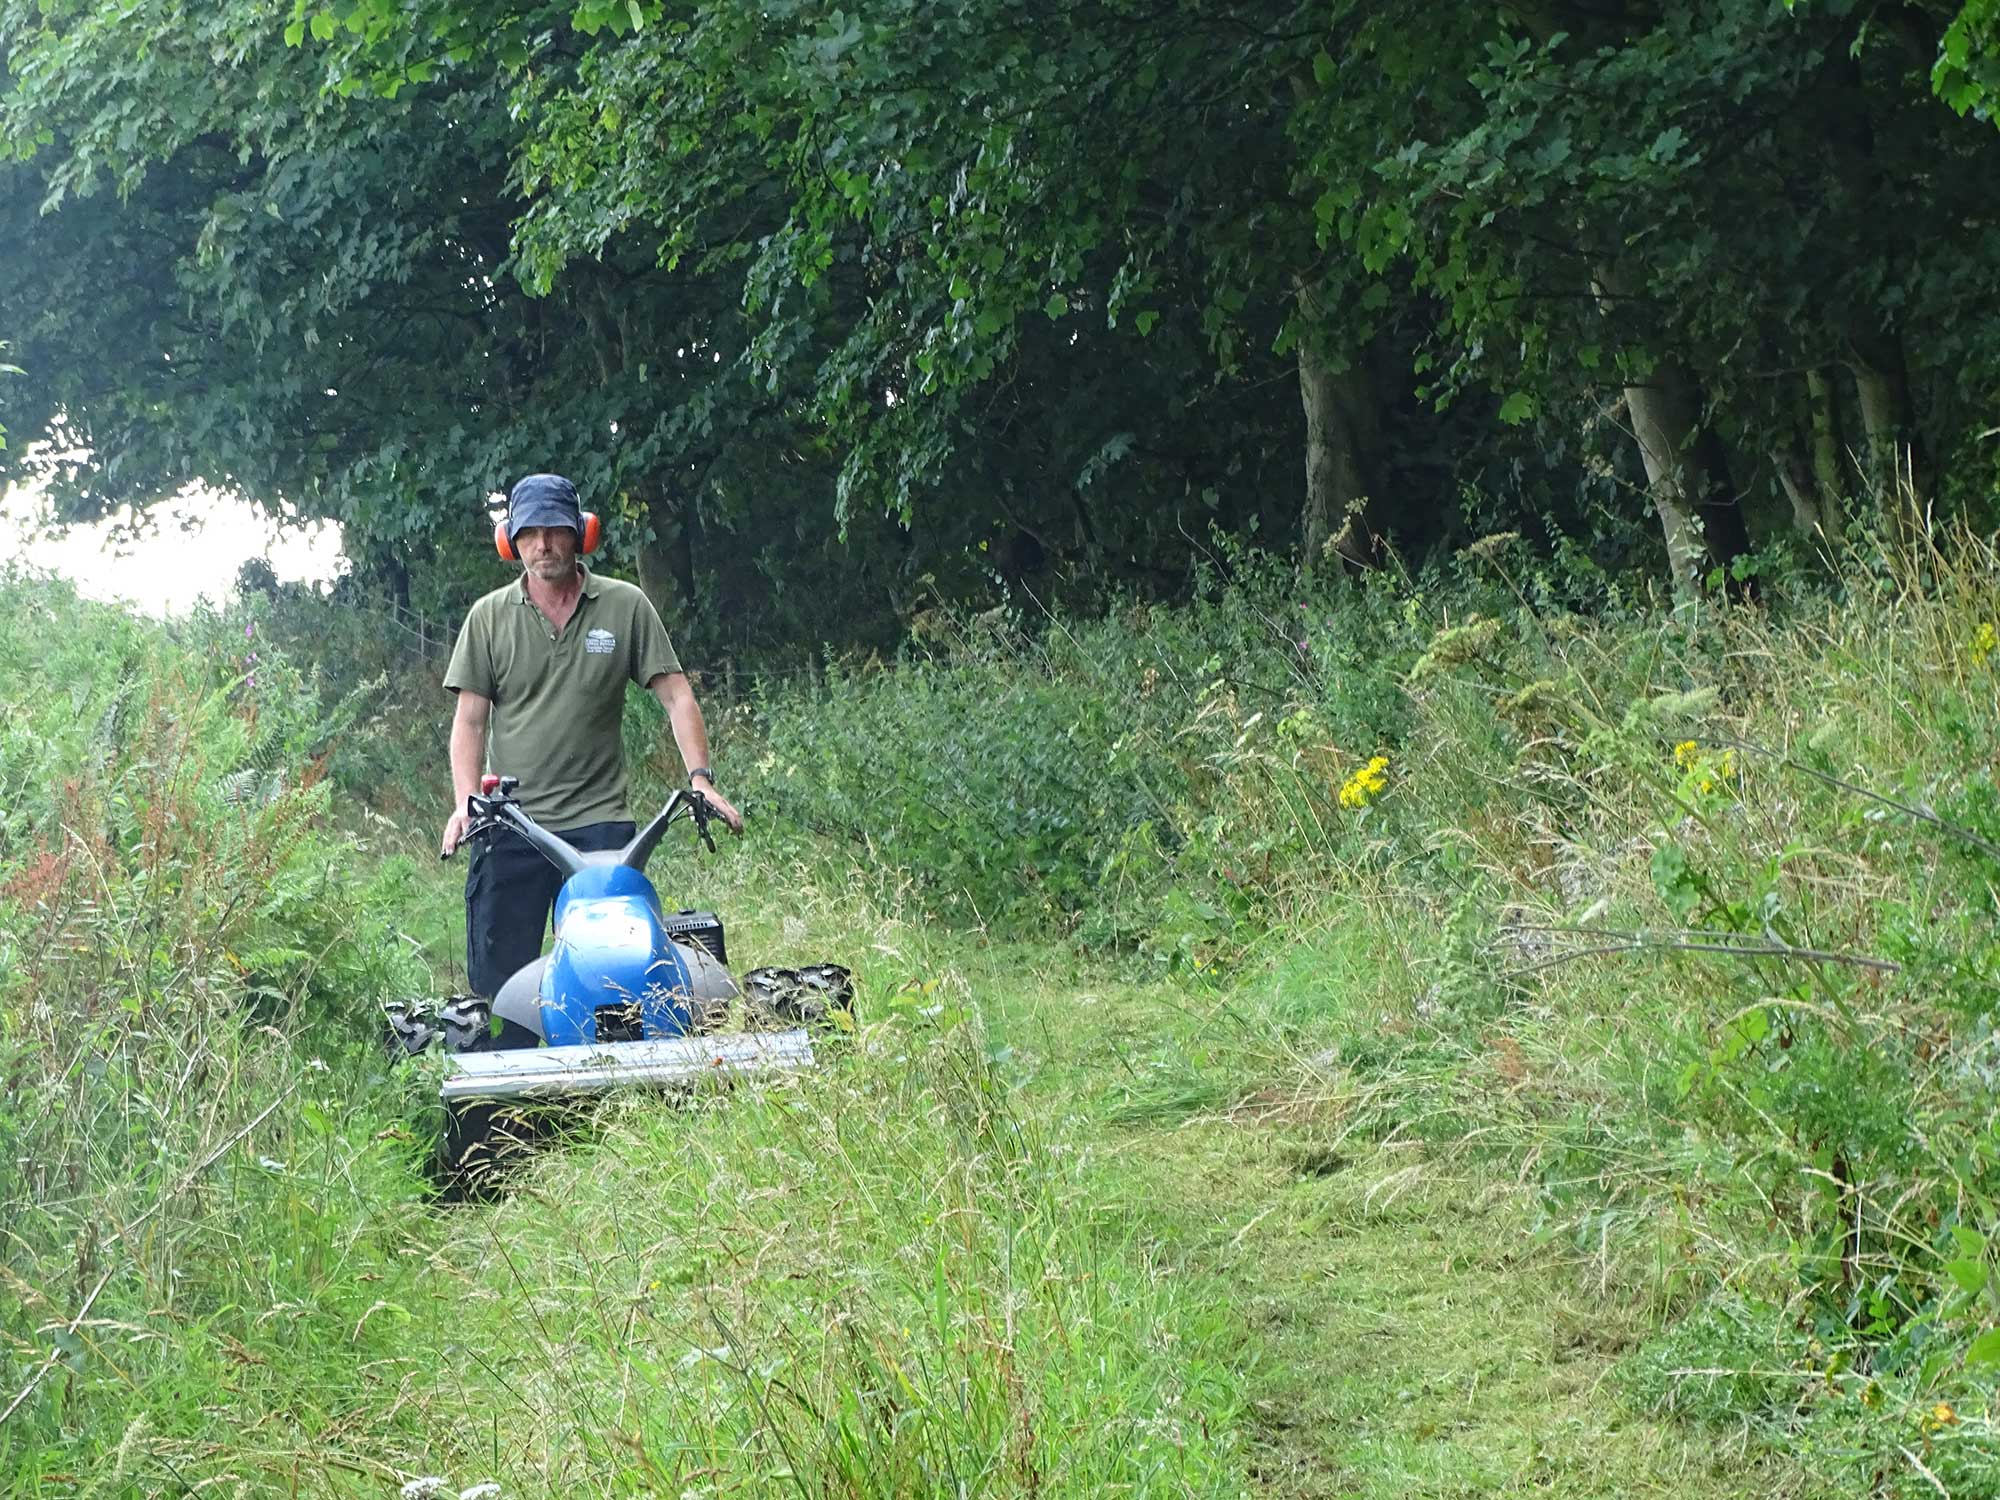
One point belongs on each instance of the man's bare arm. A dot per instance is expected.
(468, 753)
(676, 696)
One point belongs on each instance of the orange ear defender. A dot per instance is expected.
(593, 533)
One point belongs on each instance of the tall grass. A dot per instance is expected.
(880, 1280)
(1684, 923)
(188, 1135)
(220, 1268)
(1690, 919)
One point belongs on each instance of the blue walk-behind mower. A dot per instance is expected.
(631, 994)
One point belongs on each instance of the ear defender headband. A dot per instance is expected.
(593, 533)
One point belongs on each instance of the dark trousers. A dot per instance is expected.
(510, 889)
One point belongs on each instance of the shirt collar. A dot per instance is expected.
(590, 586)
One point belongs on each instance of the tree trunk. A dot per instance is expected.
(1898, 468)
(656, 567)
(687, 554)
(1687, 475)
(1807, 458)
(598, 306)
(1716, 498)
(1795, 473)
(1340, 425)
(1827, 473)
(389, 570)
(1665, 419)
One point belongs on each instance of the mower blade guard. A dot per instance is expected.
(593, 1067)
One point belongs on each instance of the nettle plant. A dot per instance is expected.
(1777, 839)
(1834, 1056)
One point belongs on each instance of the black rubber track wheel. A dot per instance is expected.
(809, 996)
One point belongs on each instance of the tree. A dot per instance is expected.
(314, 298)
(222, 273)
(1024, 279)
(969, 173)
(1696, 217)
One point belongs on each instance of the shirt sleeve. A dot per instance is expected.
(471, 667)
(652, 651)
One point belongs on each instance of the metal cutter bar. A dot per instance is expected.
(592, 1067)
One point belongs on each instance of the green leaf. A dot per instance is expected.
(1145, 321)
(1517, 408)
(1678, 884)
(638, 16)
(1984, 1350)
(1689, 1076)
(324, 26)
(1971, 1275)
(1057, 305)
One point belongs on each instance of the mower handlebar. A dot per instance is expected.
(496, 805)
(702, 811)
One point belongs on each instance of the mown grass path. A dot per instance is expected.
(1399, 1332)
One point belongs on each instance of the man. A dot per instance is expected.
(540, 671)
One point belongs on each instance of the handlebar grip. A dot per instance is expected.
(479, 822)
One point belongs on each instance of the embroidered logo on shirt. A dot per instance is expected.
(600, 642)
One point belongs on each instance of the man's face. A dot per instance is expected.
(548, 551)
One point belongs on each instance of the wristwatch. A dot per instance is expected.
(702, 771)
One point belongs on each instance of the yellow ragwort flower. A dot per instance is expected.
(1366, 784)
(1686, 753)
(1985, 640)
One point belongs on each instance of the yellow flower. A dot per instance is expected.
(1366, 784)
(1984, 642)
(1701, 773)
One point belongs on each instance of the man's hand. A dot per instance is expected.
(691, 739)
(468, 746)
(724, 808)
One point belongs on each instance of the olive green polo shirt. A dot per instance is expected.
(559, 696)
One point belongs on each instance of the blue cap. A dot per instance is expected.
(543, 500)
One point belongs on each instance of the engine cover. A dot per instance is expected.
(613, 958)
